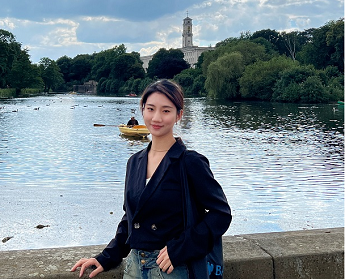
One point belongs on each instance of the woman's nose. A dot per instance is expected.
(157, 116)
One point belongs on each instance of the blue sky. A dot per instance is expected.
(53, 28)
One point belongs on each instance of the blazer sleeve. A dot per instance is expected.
(117, 249)
(197, 241)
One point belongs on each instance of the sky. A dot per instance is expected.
(54, 28)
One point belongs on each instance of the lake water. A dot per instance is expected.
(281, 165)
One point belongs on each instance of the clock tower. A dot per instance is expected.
(190, 53)
(187, 35)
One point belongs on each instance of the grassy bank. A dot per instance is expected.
(9, 93)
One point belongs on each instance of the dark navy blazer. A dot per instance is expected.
(153, 213)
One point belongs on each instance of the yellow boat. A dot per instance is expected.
(134, 131)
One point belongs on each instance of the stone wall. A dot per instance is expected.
(316, 254)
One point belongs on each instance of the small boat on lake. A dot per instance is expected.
(132, 94)
(134, 131)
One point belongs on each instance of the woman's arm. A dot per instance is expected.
(197, 241)
(111, 256)
(117, 249)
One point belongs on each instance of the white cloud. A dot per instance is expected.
(69, 28)
(7, 23)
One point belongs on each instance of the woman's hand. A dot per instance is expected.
(85, 263)
(164, 262)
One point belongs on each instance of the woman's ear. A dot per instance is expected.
(179, 115)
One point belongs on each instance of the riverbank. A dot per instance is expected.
(10, 93)
(317, 254)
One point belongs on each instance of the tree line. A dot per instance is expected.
(267, 65)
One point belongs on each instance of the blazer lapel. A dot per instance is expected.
(152, 185)
(141, 174)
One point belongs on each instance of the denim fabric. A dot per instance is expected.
(142, 265)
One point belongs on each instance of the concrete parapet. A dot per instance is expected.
(316, 254)
(312, 254)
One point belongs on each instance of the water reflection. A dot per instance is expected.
(281, 165)
(271, 116)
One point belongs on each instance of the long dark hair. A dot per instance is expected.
(169, 88)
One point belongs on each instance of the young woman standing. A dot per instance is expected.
(151, 233)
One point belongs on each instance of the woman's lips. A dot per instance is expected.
(156, 127)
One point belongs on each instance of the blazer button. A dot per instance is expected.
(136, 225)
(154, 227)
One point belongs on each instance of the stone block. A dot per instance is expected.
(304, 254)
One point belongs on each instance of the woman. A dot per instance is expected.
(151, 233)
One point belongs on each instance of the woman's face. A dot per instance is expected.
(160, 115)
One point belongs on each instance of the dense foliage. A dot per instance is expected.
(299, 66)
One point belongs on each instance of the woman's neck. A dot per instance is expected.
(162, 144)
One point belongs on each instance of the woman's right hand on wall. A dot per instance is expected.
(85, 263)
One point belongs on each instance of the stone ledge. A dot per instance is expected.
(317, 254)
(304, 254)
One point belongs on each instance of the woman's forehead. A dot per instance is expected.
(159, 99)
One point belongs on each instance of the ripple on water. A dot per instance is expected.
(281, 166)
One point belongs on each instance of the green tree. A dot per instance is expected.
(334, 82)
(250, 51)
(273, 37)
(81, 68)
(198, 88)
(127, 66)
(270, 48)
(198, 65)
(9, 50)
(185, 79)
(65, 64)
(166, 64)
(101, 66)
(259, 78)
(190, 82)
(50, 74)
(144, 83)
(335, 38)
(293, 41)
(313, 91)
(101, 85)
(223, 74)
(23, 74)
(114, 86)
(130, 86)
(300, 84)
(230, 40)
(326, 46)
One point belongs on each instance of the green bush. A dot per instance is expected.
(302, 84)
(259, 79)
(313, 91)
(7, 93)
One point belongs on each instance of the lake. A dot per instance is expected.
(281, 165)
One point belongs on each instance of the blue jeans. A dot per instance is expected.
(142, 265)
